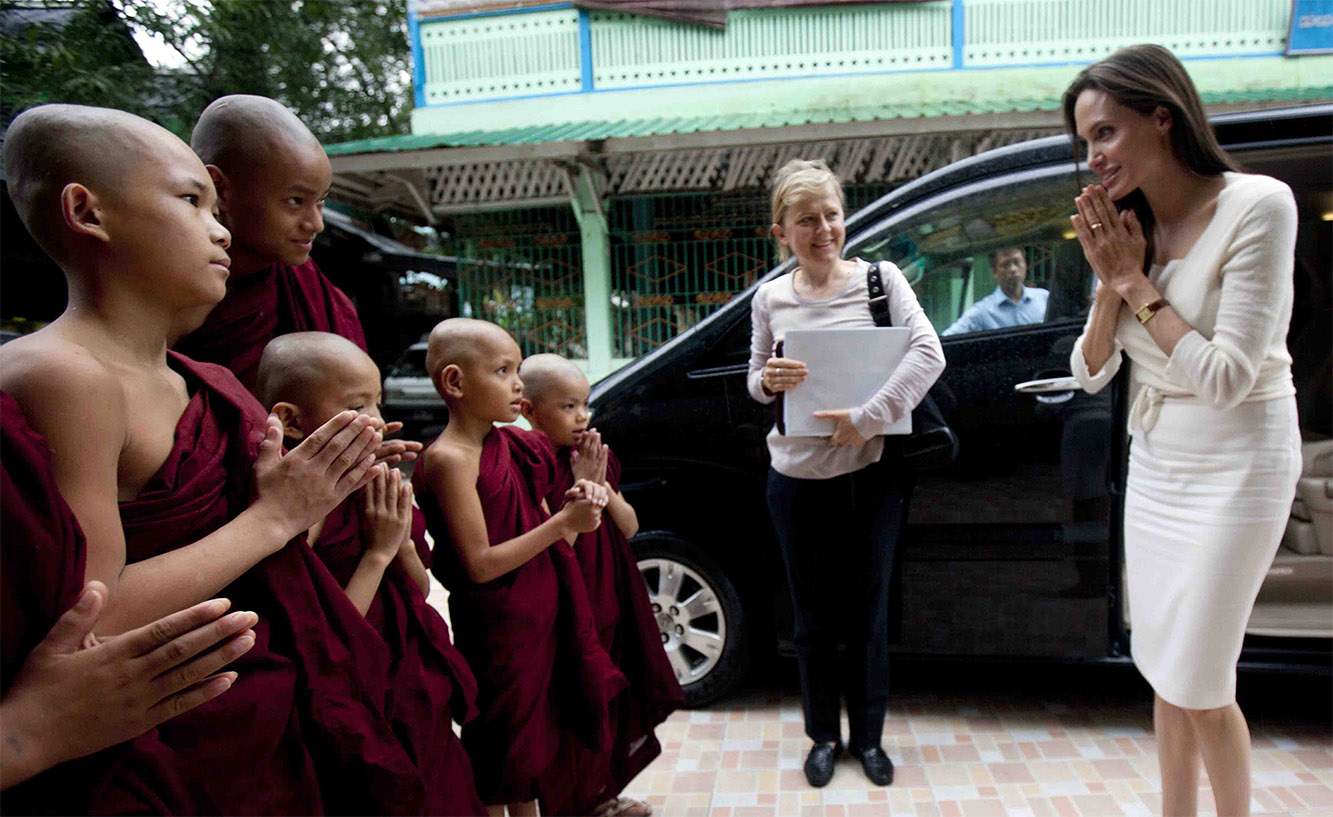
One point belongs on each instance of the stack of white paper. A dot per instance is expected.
(845, 369)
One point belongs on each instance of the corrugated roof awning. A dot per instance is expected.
(426, 175)
(603, 129)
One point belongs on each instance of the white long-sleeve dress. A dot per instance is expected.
(1216, 444)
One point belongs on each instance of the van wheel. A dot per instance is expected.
(698, 615)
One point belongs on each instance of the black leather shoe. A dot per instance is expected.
(819, 763)
(876, 764)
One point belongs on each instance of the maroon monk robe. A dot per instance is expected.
(542, 678)
(430, 684)
(627, 629)
(260, 306)
(303, 729)
(42, 565)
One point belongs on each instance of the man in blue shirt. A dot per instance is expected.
(1011, 304)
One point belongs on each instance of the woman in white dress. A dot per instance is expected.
(1194, 263)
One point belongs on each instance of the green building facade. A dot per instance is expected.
(601, 177)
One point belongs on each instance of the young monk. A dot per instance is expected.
(176, 477)
(520, 613)
(555, 402)
(64, 693)
(378, 555)
(272, 176)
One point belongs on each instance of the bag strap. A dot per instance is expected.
(879, 297)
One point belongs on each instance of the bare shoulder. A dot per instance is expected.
(56, 380)
(446, 461)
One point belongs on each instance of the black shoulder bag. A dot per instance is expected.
(932, 444)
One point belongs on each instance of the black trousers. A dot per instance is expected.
(838, 538)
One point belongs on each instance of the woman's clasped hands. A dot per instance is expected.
(1113, 242)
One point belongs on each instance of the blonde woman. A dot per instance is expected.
(1195, 264)
(837, 503)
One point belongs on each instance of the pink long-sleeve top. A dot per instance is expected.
(777, 308)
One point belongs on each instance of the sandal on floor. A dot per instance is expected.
(623, 807)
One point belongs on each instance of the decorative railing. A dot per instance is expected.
(1023, 32)
(505, 55)
(631, 51)
(499, 56)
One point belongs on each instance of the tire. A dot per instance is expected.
(698, 613)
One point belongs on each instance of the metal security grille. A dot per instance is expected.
(523, 269)
(675, 259)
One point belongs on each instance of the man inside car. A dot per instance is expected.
(1011, 304)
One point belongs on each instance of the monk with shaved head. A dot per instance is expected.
(173, 473)
(516, 597)
(373, 548)
(555, 402)
(272, 176)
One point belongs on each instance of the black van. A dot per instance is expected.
(1014, 550)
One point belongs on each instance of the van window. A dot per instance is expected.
(965, 252)
(411, 364)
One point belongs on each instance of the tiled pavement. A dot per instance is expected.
(980, 741)
(1065, 756)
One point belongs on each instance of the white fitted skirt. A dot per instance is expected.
(1207, 498)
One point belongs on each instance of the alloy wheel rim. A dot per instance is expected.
(689, 617)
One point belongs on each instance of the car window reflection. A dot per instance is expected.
(996, 259)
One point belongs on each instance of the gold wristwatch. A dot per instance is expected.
(1147, 311)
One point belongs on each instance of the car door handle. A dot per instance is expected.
(1050, 389)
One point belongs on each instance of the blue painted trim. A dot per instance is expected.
(585, 49)
(501, 12)
(418, 61)
(814, 76)
(958, 30)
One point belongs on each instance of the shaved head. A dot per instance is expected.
(52, 146)
(241, 131)
(298, 367)
(459, 342)
(542, 373)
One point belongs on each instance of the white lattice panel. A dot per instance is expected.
(888, 158)
(1022, 32)
(520, 183)
(633, 51)
(496, 182)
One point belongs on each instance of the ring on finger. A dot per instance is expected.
(1094, 225)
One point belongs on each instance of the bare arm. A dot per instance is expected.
(1098, 343)
(410, 562)
(452, 475)
(623, 514)
(570, 537)
(386, 521)
(365, 581)
(591, 460)
(294, 492)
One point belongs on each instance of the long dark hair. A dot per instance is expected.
(1144, 78)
